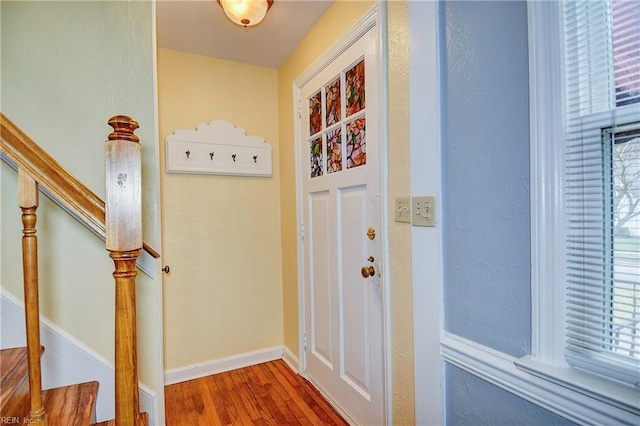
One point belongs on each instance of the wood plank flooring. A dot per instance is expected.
(264, 394)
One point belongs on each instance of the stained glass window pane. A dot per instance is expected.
(333, 103)
(315, 157)
(334, 150)
(354, 91)
(315, 114)
(356, 143)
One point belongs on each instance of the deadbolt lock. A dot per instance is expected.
(371, 233)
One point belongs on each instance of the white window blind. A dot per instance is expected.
(602, 186)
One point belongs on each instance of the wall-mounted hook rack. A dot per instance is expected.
(234, 152)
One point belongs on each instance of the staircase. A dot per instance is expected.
(65, 406)
(118, 222)
(72, 405)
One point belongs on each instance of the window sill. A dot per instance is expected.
(610, 392)
(586, 401)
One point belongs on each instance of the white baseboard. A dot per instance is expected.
(66, 360)
(196, 371)
(290, 359)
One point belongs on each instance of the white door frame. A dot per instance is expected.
(374, 18)
(427, 258)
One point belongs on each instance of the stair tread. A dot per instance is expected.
(144, 421)
(17, 400)
(71, 405)
(14, 368)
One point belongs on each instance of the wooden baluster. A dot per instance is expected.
(28, 201)
(123, 240)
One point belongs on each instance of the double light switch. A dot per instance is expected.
(418, 210)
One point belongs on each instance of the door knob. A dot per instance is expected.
(166, 269)
(367, 271)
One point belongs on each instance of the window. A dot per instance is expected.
(621, 151)
(602, 186)
(585, 222)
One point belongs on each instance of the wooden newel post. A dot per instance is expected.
(123, 223)
(28, 201)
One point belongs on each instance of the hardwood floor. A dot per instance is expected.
(264, 394)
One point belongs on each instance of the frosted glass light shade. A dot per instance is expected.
(246, 12)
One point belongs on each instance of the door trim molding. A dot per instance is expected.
(374, 18)
(425, 106)
(368, 21)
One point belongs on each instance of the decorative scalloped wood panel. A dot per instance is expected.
(218, 148)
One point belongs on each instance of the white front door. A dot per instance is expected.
(341, 209)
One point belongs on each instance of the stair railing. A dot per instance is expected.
(119, 222)
(28, 202)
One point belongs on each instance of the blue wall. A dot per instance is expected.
(487, 287)
(472, 401)
(486, 174)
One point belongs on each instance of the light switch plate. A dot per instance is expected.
(423, 210)
(403, 209)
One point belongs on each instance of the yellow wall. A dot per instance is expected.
(400, 233)
(341, 16)
(221, 234)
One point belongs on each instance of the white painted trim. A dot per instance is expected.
(290, 359)
(387, 355)
(375, 16)
(623, 396)
(155, 265)
(368, 21)
(66, 360)
(547, 182)
(302, 365)
(196, 371)
(500, 369)
(427, 256)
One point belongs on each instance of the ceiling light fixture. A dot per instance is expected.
(246, 12)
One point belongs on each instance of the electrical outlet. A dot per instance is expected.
(403, 209)
(423, 212)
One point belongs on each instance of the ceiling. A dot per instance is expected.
(201, 27)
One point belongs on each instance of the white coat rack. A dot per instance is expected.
(218, 148)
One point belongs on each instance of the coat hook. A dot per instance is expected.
(211, 155)
(234, 157)
(255, 158)
(188, 153)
